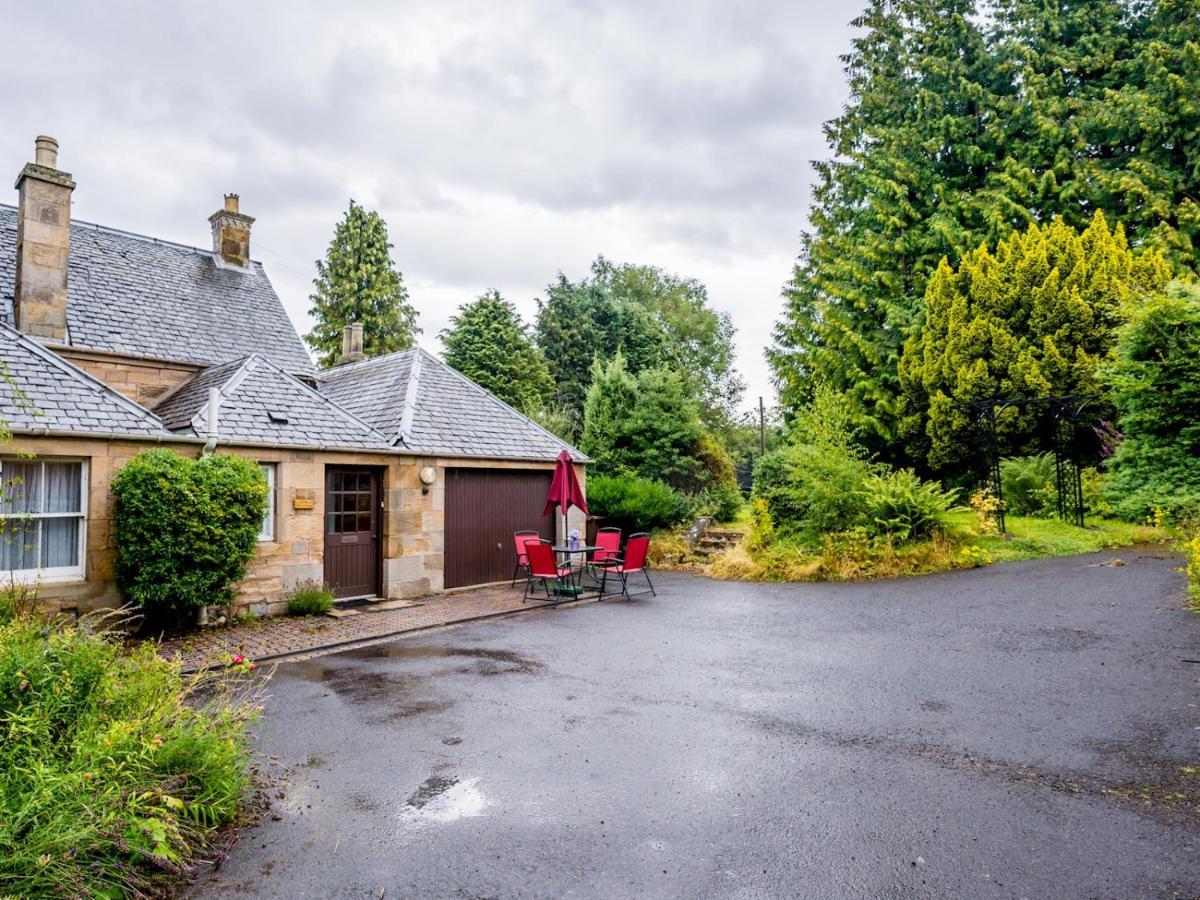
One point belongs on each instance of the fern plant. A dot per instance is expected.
(903, 507)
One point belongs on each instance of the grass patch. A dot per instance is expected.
(311, 599)
(855, 556)
(116, 771)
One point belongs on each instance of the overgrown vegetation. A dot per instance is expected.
(635, 504)
(310, 599)
(185, 529)
(1155, 383)
(115, 770)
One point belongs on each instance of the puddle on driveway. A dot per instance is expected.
(440, 801)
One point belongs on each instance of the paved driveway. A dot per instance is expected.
(1018, 731)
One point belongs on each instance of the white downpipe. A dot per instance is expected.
(214, 408)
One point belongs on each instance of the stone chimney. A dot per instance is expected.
(231, 234)
(43, 245)
(352, 345)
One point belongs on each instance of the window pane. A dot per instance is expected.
(64, 483)
(60, 543)
(18, 544)
(364, 521)
(364, 502)
(267, 531)
(20, 485)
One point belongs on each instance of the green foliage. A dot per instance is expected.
(185, 528)
(358, 282)
(488, 342)
(648, 425)
(1032, 319)
(557, 419)
(114, 769)
(311, 599)
(635, 504)
(722, 501)
(906, 155)
(963, 123)
(650, 317)
(902, 506)
(1029, 485)
(1155, 384)
(811, 489)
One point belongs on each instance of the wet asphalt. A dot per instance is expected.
(1027, 730)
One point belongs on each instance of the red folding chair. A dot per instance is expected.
(633, 562)
(608, 542)
(544, 567)
(519, 539)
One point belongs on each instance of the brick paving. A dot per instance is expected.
(304, 637)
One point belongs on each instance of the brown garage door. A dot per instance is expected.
(483, 509)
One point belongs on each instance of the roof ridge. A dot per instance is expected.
(334, 371)
(485, 391)
(136, 235)
(80, 375)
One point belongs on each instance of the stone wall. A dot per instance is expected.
(141, 380)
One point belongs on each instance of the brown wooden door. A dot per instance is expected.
(483, 509)
(352, 531)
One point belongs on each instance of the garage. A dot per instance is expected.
(483, 509)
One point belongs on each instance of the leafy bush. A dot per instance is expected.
(635, 504)
(1155, 382)
(185, 528)
(810, 489)
(310, 599)
(902, 506)
(1029, 484)
(723, 502)
(113, 772)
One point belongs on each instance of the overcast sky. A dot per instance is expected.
(502, 142)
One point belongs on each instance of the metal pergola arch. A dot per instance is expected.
(1065, 413)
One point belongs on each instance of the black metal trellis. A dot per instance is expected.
(1065, 413)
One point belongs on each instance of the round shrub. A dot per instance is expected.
(811, 488)
(185, 529)
(636, 504)
(310, 599)
(902, 506)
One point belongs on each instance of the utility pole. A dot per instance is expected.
(762, 428)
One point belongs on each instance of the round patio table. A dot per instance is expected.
(576, 587)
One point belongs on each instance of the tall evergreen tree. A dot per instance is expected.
(910, 150)
(358, 282)
(488, 342)
(1034, 318)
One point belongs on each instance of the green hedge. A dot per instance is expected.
(636, 504)
(185, 528)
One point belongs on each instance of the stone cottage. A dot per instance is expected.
(389, 477)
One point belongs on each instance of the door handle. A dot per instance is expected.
(499, 546)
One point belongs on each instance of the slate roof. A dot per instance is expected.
(425, 406)
(262, 404)
(145, 297)
(51, 394)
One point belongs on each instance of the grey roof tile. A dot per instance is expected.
(447, 413)
(144, 297)
(47, 393)
(252, 389)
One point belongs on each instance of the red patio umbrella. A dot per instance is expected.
(565, 491)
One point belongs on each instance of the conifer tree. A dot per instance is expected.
(1034, 318)
(488, 342)
(358, 282)
(913, 145)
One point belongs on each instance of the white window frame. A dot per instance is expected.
(77, 572)
(266, 533)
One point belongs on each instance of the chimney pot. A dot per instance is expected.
(352, 344)
(45, 151)
(231, 233)
(43, 245)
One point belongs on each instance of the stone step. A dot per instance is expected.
(731, 536)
